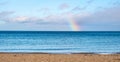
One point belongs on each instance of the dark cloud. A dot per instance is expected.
(5, 15)
(78, 8)
(84, 7)
(110, 14)
(100, 7)
(44, 9)
(116, 3)
(64, 6)
(90, 1)
(109, 18)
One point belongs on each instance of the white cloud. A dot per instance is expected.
(20, 18)
(23, 19)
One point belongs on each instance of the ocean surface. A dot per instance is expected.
(59, 42)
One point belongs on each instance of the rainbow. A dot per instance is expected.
(73, 25)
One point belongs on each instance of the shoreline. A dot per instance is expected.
(57, 53)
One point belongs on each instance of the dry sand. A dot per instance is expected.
(5, 57)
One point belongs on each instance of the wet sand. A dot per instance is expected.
(9, 57)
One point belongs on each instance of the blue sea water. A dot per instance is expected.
(59, 42)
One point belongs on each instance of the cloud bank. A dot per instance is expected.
(108, 19)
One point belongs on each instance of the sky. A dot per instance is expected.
(59, 15)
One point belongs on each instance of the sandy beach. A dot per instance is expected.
(7, 57)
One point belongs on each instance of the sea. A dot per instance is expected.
(60, 42)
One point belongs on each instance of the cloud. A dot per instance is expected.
(64, 6)
(5, 15)
(62, 18)
(110, 14)
(90, 1)
(108, 19)
(24, 19)
(83, 8)
(3, 3)
(116, 3)
(20, 19)
(2, 22)
(45, 11)
(78, 8)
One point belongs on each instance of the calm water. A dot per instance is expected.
(60, 42)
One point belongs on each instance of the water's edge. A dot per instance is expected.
(57, 53)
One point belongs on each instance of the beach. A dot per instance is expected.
(14, 57)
